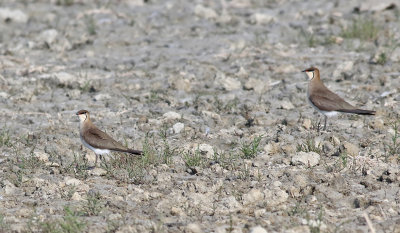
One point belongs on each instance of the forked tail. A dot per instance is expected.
(358, 111)
(135, 152)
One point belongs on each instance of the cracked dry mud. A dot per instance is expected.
(212, 92)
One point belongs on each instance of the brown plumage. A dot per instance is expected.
(97, 140)
(327, 102)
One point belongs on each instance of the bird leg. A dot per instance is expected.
(326, 119)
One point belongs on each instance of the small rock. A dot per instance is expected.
(286, 104)
(343, 67)
(286, 69)
(13, 15)
(172, 116)
(42, 156)
(351, 149)
(307, 123)
(72, 181)
(306, 158)
(259, 213)
(205, 12)
(231, 84)
(178, 127)
(207, 149)
(76, 197)
(272, 148)
(395, 56)
(255, 84)
(98, 172)
(48, 36)
(258, 229)
(261, 18)
(378, 124)
(371, 5)
(102, 96)
(253, 196)
(176, 211)
(65, 78)
(193, 228)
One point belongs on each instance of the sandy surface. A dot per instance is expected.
(212, 92)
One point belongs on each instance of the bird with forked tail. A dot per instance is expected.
(98, 141)
(325, 101)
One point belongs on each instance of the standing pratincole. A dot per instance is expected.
(325, 101)
(98, 141)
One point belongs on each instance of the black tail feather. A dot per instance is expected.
(358, 111)
(135, 152)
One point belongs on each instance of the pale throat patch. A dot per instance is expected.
(310, 74)
(82, 117)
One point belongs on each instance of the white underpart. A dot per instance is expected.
(96, 151)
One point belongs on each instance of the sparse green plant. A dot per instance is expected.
(363, 29)
(250, 150)
(193, 159)
(244, 172)
(4, 227)
(90, 25)
(5, 139)
(309, 146)
(315, 224)
(65, 2)
(225, 160)
(93, 205)
(309, 38)
(393, 148)
(382, 59)
(70, 223)
(344, 159)
(167, 152)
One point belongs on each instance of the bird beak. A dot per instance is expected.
(303, 70)
(77, 113)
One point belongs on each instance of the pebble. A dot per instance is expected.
(351, 149)
(205, 12)
(306, 158)
(253, 196)
(178, 127)
(17, 16)
(258, 229)
(172, 116)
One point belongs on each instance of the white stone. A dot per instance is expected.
(343, 67)
(306, 158)
(286, 104)
(231, 84)
(207, 149)
(253, 196)
(65, 78)
(172, 116)
(258, 229)
(14, 15)
(193, 228)
(97, 172)
(257, 85)
(48, 36)
(72, 181)
(205, 12)
(178, 127)
(42, 156)
(261, 18)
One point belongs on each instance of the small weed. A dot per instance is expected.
(193, 159)
(5, 139)
(382, 59)
(394, 148)
(168, 152)
(315, 225)
(93, 205)
(69, 224)
(309, 38)
(64, 2)
(227, 161)
(309, 146)
(4, 227)
(244, 174)
(364, 29)
(250, 150)
(90, 25)
(344, 159)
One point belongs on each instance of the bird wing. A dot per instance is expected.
(329, 102)
(99, 139)
(326, 100)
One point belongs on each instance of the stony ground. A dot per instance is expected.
(212, 92)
